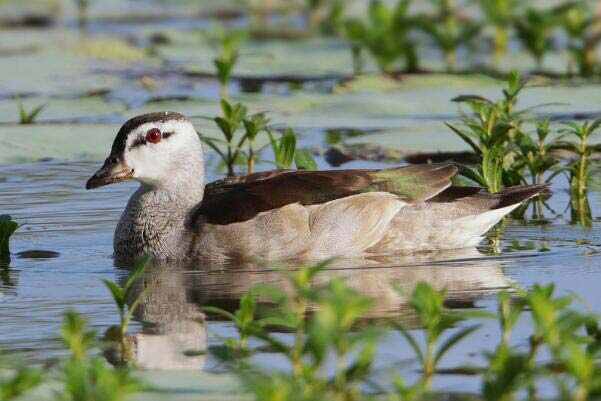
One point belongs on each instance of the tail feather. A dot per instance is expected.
(518, 194)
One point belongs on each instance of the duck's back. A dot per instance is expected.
(314, 215)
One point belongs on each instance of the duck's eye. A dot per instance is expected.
(153, 135)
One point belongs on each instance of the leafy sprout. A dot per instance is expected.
(29, 117)
(121, 296)
(19, 381)
(87, 378)
(228, 43)
(580, 25)
(535, 30)
(500, 14)
(436, 320)
(448, 30)
(385, 35)
(7, 228)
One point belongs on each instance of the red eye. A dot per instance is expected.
(153, 135)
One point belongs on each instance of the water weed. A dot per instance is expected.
(7, 228)
(86, 377)
(579, 169)
(436, 320)
(385, 35)
(500, 14)
(228, 43)
(489, 131)
(240, 131)
(579, 24)
(29, 117)
(448, 30)
(535, 30)
(331, 354)
(16, 379)
(121, 296)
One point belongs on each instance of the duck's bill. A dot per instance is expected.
(110, 173)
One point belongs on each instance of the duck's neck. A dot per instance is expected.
(154, 221)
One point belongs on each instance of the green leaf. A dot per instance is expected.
(117, 292)
(139, 269)
(412, 342)
(286, 149)
(454, 340)
(304, 160)
(220, 312)
(465, 138)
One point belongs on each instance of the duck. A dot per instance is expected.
(285, 215)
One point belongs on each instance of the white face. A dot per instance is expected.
(177, 152)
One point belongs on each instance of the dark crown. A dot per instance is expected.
(133, 123)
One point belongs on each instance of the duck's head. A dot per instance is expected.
(154, 149)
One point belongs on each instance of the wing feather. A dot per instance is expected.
(241, 198)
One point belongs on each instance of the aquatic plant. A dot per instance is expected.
(436, 320)
(325, 15)
(234, 117)
(285, 152)
(229, 122)
(7, 228)
(579, 169)
(253, 125)
(29, 117)
(86, 377)
(228, 43)
(385, 35)
(82, 12)
(500, 14)
(324, 322)
(535, 30)
(16, 379)
(448, 29)
(579, 24)
(122, 295)
(330, 330)
(490, 131)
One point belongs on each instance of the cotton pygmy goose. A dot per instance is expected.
(280, 215)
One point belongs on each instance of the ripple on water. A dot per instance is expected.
(64, 248)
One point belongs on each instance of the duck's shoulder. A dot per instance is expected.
(238, 199)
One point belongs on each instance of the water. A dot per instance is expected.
(59, 215)
(63, 250)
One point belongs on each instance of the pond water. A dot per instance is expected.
(64, 248)
(58, 215)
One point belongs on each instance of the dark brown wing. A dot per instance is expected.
(476, 198)
(242, 198)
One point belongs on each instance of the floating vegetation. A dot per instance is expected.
(511, 155)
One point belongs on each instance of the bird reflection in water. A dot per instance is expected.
(174, 330)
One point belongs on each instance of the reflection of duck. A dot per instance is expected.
(174, 329)
(174, 333)
(463, 273)
(284, 214)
